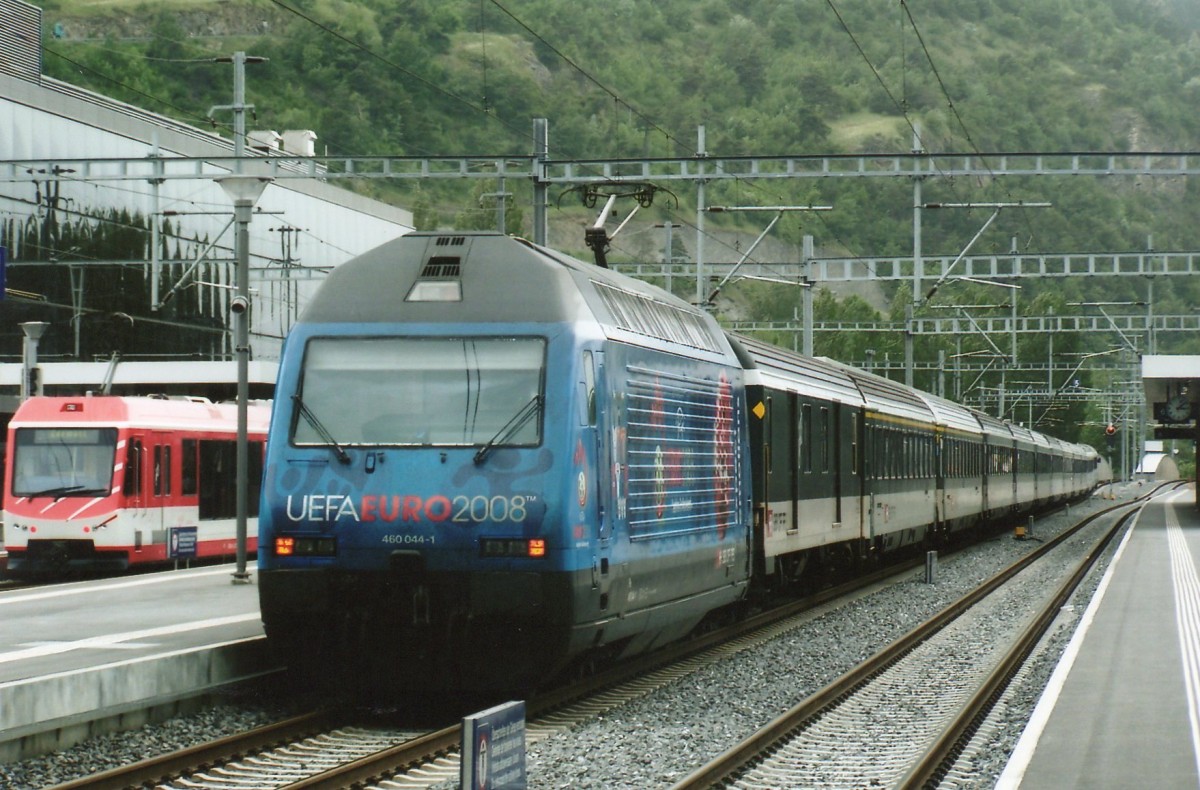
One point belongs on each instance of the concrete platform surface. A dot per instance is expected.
(1122, 708)
(86, 657)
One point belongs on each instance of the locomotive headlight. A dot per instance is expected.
(305, 546)
(513, 547)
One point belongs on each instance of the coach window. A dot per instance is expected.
(885, 468)
(187, 467)
(909, 456)
(133, 469)
(825, 439)
(162, 470)
(894, 461)
(218, 466)
(806, 434)
(166, 470)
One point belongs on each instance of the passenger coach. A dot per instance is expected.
(105, 483)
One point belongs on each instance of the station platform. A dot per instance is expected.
(1122, 708)
(90, 656)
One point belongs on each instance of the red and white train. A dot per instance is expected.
(102, 484)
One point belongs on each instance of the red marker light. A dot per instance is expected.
(285, 547)
(537, 547)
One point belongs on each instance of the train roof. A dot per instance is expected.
(774, 366)
(1021, 433)
(990, 425)
(885, 396)
(482, 277)
(952, 415)
(175, 413)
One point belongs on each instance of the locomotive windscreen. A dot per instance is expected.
(63, 461)
(421, 391)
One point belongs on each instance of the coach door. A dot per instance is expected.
(137, 488)
(156, 462)
(855, 470)
(783, 474)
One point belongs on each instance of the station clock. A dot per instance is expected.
(1177, 409)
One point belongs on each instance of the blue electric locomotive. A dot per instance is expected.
(489, 460)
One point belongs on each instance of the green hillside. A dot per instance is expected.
(633, 78)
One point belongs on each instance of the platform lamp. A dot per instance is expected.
(30, 380)
(244, 191)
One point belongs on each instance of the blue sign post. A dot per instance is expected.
(493, 749)
(182, 543)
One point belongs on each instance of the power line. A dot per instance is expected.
(521, 134)
(954, 110)
(185, 114)
(589, 77)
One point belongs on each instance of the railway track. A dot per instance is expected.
(333, 750)
(901, 718)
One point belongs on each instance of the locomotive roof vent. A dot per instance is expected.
(450, 241)
(441, 267)
(438, 281)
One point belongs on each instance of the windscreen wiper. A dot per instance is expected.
(321, 430)
(510, 428)
(58, 491)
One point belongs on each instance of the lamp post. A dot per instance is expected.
(30, 381)
(244, 191)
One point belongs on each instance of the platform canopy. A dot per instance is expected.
(1172, 387)
(215, 380)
